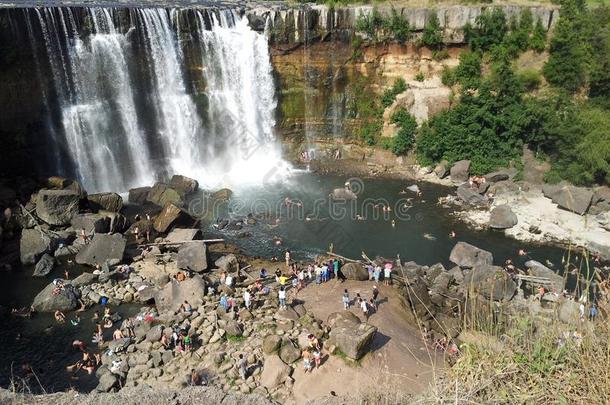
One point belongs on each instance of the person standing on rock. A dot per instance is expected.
(387, 274)
(282, 297)
(242, 366)
(365, 308)
(345, 300)
(307, 363)
(247, 298)
(287, 255)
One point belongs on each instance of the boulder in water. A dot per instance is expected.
(460, 171)
(44, 266)
(470, 196)
(502, 217)
(105, 201)
(350, 335)
(183, 185)
(34, 243)
(192, 256)
(492, 282)
(571, 198)
(414, 188)
(138, 195)
(466, 255)
(171, 215)
(57, 207)
(103, 248)
(174, 293)
(163, 194)
(355, 271)
(343, 194)
(66, 299)
(91, 223)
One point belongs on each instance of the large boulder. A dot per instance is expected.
(446, 325)
(65, 300)
(171, 215)
(492, 282)
(495, 177)
(57, 207)
(343, 194)
(103, 248)
(138, 195)
(34, 243)
(441, 170)
(118, 222)
(179, 235)
(91, 223)
(228, 263)
(355, 271)
(502, 217)
(174, 293)
(163, 194)
(289, 351)
(271, 343)
(538, 269)
(460, 171)
(44, 266)
(351, 337)
(183, 185)
(105, 201)
(192, 256)
(418, 298)
(224, 194)
(470, 196)
(274, 372)
(466, 255)
(107, 382)
(571, 198)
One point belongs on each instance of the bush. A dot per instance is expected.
(439, 55)
(432, 36)
(405, 139)
(370, 24)
(397, 27)
(529, 79)
(419, 77)
(468, 72)
(389, 95)
(448, 77)
(369, 132)
(538, 38)
(490, 29)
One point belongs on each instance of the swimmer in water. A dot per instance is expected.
(523, 252)
(452, 234)
(359, 217)
(393, 224)
(402, 192)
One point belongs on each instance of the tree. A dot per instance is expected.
(566, 64)
(468, 72)
(370, 24)
(490, 29)
(405, 139)
(538, 38)
(397, 26)
(432, 36)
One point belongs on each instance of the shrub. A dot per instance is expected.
(405, 138)
(490, 29)
(389, 95)
(397, 27)
(419, 77)
(439, 55)
(529, 79)
(432, 36)
(538, 38)
(448, 77)
(369, 132)
(370, 24)
(468, 72)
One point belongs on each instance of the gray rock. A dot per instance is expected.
(460, 171)
(492, 282)
(34, 243)
(57, 207)
(352, 338)
(418, 297)
(470, 196)
(183, 185)
(569, 312)
(466, 255)
(170, 297)
(441, 170)
(44, 266)
(65, 300)
(64, 251)
(91, 223)
(138, 195)
(271, 344)
(107, 382)
(495, 177)
(119, 345)
(105, 201)
(84, 279)
(163, 194)
(274, 372)
(228, 263)
(233, 328)
(502, 217)
(446, 325)
(103, 248)
(192, 256)
(182, 234)
(154, 334)
(118, 222)
(571, 198)
(355, 271)
(537, 269)
(170, 216)
(343, 194)
(289, 352)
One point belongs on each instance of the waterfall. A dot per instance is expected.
(128, 107)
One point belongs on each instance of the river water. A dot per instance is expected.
(421, 233)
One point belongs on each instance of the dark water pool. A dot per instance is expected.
(421, 233)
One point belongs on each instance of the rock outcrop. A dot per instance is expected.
(105, 201)
(502, 217)
(192, 256)
(466, 255)
(103, 248)
(355, 271)
(66, 299)
(57, 207)
(571, 198)
(34, 243)
(350, 335)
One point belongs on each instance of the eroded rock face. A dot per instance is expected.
(105, 201)
(57, 207)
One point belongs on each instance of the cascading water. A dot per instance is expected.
(129, 111)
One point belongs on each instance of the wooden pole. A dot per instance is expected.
(347, 259)
(182, 241)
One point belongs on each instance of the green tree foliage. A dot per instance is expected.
(370, 24)
(538, 38)
(599, 80)
(566, 65)
(468, 72)
(489, 30)
(432, 36)
(405, 138)
(397, 27)
(389, 95)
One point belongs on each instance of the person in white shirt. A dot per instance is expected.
(282, 296)
(247, 298)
